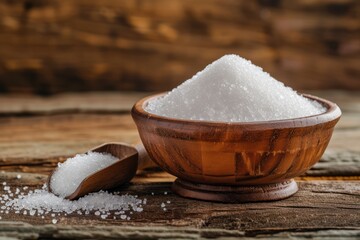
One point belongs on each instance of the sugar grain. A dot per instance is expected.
(73, 171)
(232, 89)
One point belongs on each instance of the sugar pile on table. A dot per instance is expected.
(232, 89)
(42, 203)
(73, 171)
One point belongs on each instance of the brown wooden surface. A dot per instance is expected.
(50, 46)
(327, 204)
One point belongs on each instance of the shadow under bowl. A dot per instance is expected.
(235, 162)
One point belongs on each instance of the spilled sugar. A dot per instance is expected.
(232, 89)
(73, 171)
(41, 203)
(100, 201)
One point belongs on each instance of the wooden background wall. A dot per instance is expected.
(50, 46)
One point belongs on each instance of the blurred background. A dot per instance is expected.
(56, 46)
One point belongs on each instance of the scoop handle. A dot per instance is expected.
(144, 160)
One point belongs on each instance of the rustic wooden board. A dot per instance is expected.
(21, 230)
(337, 163)
(33, 141)
(50, 131)
(319, 205)
(52, 46)
(33, 144)
(96, 102)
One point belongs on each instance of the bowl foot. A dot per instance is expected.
(235, 194)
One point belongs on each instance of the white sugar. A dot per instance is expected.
(73, 171)
(40, 202)
(232, 89)
(99, 201)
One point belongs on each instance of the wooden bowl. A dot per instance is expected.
(235, 162)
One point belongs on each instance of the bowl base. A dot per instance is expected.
(235, 194)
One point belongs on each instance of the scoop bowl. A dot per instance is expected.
(120, 172)
(235, 162)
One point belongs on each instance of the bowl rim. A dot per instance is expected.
(332, 113)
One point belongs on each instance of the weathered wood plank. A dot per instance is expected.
(32, 142)
(21, 230)
(52, 46)
(37, 143)
(41, 141)
(319, 205)
(95, 102)
(337, 163)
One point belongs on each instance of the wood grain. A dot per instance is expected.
(31, 144)
(329, 205)
(91, 102)
(21, 230)
(54, 46)
(36, 142)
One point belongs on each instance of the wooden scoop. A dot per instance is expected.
(120, 172)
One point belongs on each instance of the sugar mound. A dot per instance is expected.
(73, 171)
(232, 89)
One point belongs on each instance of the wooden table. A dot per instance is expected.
(36, 133)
